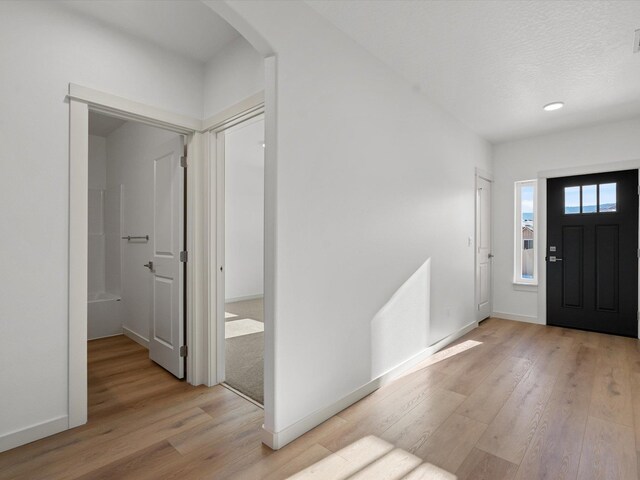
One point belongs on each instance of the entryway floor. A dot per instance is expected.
(244, 348)
(508, 400)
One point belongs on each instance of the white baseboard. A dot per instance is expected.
(243, 299)
(277, 440)
(135, 337)
(35, 432)
(517, 317)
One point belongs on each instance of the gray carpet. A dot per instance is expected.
(244, 355)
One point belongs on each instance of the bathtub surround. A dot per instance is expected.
(104, 316)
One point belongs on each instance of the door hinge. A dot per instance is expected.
(183, 161)
(183, 351)
(184, 256)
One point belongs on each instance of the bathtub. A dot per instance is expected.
(104, 315)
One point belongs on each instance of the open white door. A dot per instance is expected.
(166, 335)
(483, 248)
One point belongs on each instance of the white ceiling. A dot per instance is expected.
(102, 125)
(186, 27)
(494, 64)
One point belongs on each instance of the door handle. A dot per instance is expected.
(149, 266)
(491, 255)
(554, 259)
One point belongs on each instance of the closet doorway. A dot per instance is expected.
(240, 168)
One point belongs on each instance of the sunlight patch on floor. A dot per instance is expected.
(443, 355)
(372, 458)
(244, 326)
(229, 315)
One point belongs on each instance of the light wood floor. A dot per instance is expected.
(508, 400)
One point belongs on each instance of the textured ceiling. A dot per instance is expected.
(186, 27)
(494, 64)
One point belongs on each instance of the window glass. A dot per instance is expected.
(608, 202)
(527, 247)
(571, 200)
(589, 199)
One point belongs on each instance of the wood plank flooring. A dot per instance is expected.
(507, 401)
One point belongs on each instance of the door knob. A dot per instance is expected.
(149, 266)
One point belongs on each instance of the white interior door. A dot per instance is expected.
(483, 248)
(166, 335)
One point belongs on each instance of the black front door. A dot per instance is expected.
(592, 252)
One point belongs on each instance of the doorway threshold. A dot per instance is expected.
(237, 392)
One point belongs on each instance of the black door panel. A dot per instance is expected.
(592, 252)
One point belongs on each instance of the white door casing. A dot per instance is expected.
(483, 248)
(166, 331)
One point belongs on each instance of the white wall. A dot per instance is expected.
(42, 49)
(233, 74)
(130, 164)
(244, 210)
(523, 160)
(372, 180)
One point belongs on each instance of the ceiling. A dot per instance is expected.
(495, 64)
(186, 27)
(102, 125)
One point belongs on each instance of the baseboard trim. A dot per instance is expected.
(277, 440)
(135, 337)
(105, 336)
(517, 317)
(35, 432)
(243, 299)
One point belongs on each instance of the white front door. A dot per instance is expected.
(166, 333)
(483, 248)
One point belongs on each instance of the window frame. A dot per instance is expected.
(518, 279)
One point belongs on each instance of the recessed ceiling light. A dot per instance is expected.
(553, 106)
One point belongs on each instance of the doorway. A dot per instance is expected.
(592, 252)
(483, 253)
(136, 239)
(241, 253)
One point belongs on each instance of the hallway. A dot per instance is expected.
(507, 400)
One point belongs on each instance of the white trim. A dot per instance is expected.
(270, 239)
(243, 299)
(277, 440)
(590, 169)
(105, 336)
(487, 175)
(543, 175)
(34, 432)
(199, 364)
(517, 317)
(240, 109)
(217, 177)
(517, 243)
(136, 337)
(78, 261)
(115, 106)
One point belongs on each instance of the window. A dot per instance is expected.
(525, 245)
(590, 199)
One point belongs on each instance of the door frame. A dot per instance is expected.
(217, 160)
(81, 101)
(541, 215)
(488, 176)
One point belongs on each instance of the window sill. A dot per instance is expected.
(525, 287)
